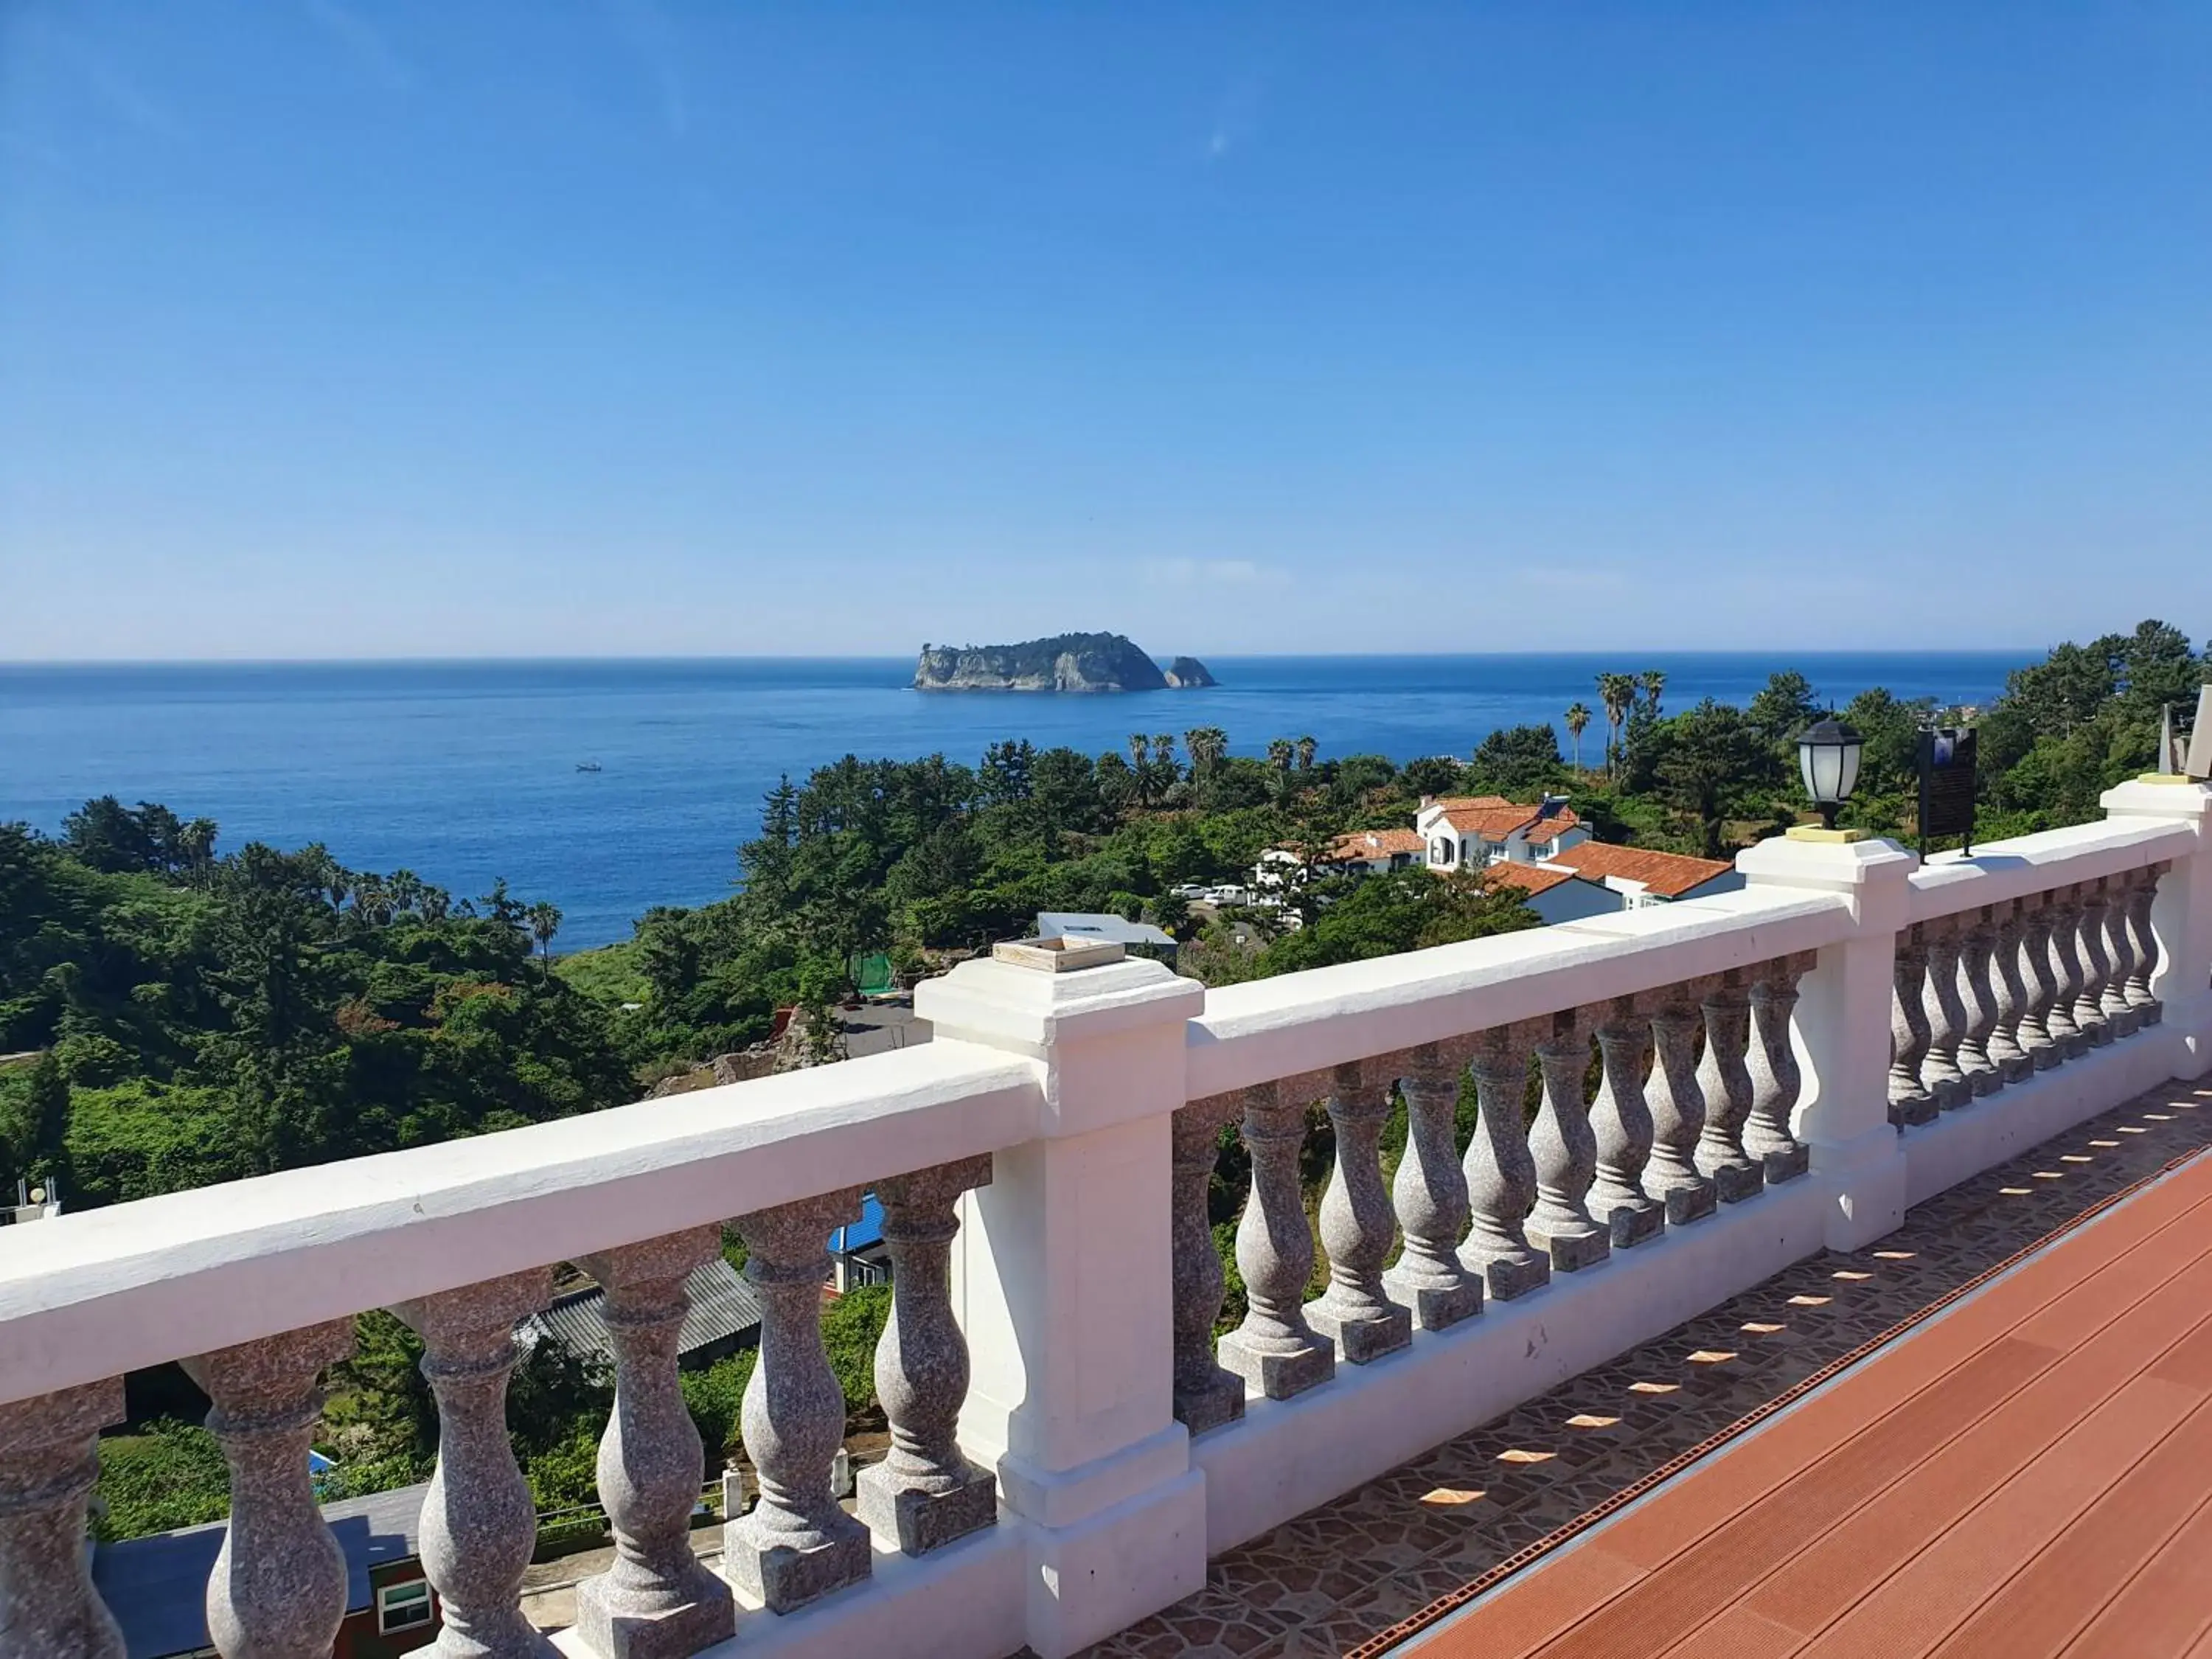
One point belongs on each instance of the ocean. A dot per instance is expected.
(465, 771)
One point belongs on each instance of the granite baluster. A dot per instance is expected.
(925, 1493)
(655, 1601)
(278, 1587)
(1273, 1347)
(795, 1545)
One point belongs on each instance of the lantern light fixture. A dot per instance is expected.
(1828, 756)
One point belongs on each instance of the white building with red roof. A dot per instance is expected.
(1471, 832)
(1643, 877)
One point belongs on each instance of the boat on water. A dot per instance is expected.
(588, 766)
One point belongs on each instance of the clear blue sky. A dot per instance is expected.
(339, 329)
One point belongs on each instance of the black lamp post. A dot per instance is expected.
(1828, 756)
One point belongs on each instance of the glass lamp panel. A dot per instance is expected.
(1823, 770)
(1848, 754)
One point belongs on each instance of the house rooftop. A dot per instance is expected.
(156, 1587)
(1670, 873)
(1530, 878)
(722, 1306)
(1492, 818)
(1375, 844)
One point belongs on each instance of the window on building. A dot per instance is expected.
(403, 1606)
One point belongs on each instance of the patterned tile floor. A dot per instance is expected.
(1338, 1575)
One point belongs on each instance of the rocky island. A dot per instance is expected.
(1065, 662)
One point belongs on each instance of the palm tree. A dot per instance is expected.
(1163, 753)
(1205, 745)
(1279, 751)
(1306, 748)
(1140, 763)
(544, 922)
(1578, 719)
(1617, 692)
(1654, 683)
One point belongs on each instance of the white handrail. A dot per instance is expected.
(2026, 865)
(97, 1293)
(1278, 1027)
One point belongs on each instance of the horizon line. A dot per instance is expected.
(9, 664)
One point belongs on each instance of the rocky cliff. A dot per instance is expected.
(1067, 662)
(1189, 674)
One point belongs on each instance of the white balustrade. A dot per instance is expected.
(1060, 1413)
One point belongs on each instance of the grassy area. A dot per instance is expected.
(609, 974)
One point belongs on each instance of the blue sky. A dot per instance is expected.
(334, 329)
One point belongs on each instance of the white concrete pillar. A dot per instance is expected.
(1063, 1276)
(1842, 1028)
(2181, 920)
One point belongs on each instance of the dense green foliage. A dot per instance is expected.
(206, 1017)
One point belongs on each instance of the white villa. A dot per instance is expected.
(1544, 850)
(1465, 832)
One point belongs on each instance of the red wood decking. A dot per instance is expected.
(2030, 1476)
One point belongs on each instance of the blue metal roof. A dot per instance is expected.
(868, 1230)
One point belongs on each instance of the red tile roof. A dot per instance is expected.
(1670, 873)
(1376, 844)
(1493, 818)
(1531, 878)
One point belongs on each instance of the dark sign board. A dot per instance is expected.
(1946, 783)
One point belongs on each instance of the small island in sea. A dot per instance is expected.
(1065, 662)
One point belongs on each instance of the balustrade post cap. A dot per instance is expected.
(2187, 800)
(1825, 865)
(1005, 1006)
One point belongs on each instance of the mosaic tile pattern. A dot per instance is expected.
(1337, 1576)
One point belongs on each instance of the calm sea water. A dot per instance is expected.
(463, 771)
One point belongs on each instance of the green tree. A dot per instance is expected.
(1615, 693)
(1578, 719)
(1652, 682)
(544, 922)
(1782, 708)
(34, 1119)
(1517, 760)
(1713, 757)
